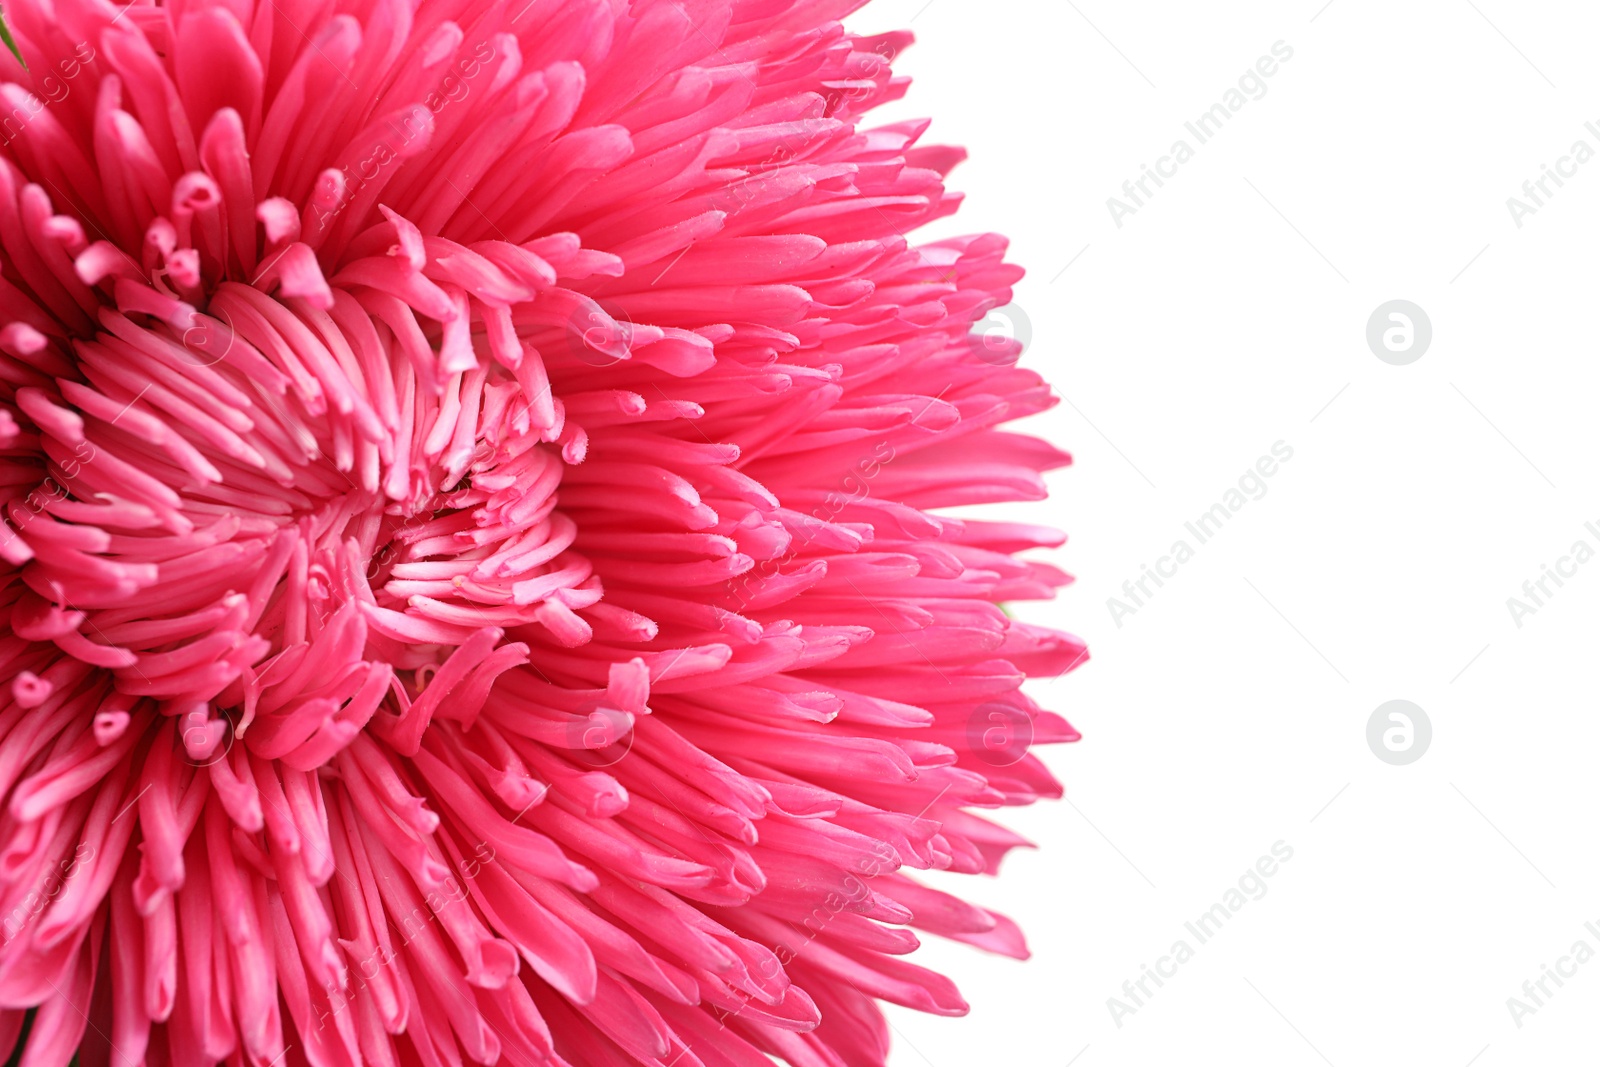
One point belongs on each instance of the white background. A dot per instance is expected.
(1230, 711)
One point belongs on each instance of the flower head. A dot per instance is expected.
(475, 556)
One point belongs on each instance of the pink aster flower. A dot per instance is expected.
(477, 578)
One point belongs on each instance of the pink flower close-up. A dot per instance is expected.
(488, 566)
